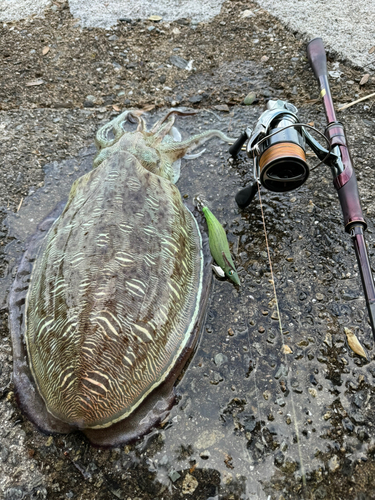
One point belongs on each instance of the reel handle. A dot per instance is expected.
(236, 146)
(245, 196)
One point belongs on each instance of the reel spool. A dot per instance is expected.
(282, 161)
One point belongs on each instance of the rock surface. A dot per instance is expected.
(239, 411)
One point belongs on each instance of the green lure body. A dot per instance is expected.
(219, 246)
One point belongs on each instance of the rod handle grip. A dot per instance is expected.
(350, 204)
(317, 57)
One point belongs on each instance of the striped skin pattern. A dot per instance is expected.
(115, 288)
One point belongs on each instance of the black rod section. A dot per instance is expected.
(365, 270)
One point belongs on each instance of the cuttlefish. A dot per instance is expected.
(110, 296)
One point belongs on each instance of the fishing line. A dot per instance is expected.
(302, 467)
(255, 381)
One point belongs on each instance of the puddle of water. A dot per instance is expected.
(256, 418)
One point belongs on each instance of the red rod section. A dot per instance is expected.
(345, 182)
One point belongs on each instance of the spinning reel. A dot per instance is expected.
(277, 146)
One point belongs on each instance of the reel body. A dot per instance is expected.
(277, 145)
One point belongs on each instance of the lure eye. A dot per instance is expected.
(230, 273)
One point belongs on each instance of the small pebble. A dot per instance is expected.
(259, 446)
(286, 349)
(155, 18)
(313, 392)
(333, 463)
(216, 378)
(174, 475)
(189, 484)
(279, 458)
(281, 372)
(220, 359)
(250, 98)
(179, 62)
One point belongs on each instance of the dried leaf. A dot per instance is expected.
(372, 50)
(179, 62)
(354, 344)
(148, 107)
(33, 83)
(286, 349)
(222, 107)
(155, 18)
(364, 79)
(192, 469)
(45, 50)
(116, 108)
(247, 13)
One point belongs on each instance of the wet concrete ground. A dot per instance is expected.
(254, 420)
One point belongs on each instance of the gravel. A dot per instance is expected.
(344, 29)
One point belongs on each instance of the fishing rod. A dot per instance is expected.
(277, 146)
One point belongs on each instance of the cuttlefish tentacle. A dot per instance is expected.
(168, 150)
(116, 126)
(171, 151)
(177, 112)
(162, 131)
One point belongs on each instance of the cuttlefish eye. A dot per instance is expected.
(231, 273)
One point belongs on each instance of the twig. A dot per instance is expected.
(356, 102)
(20, 204)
